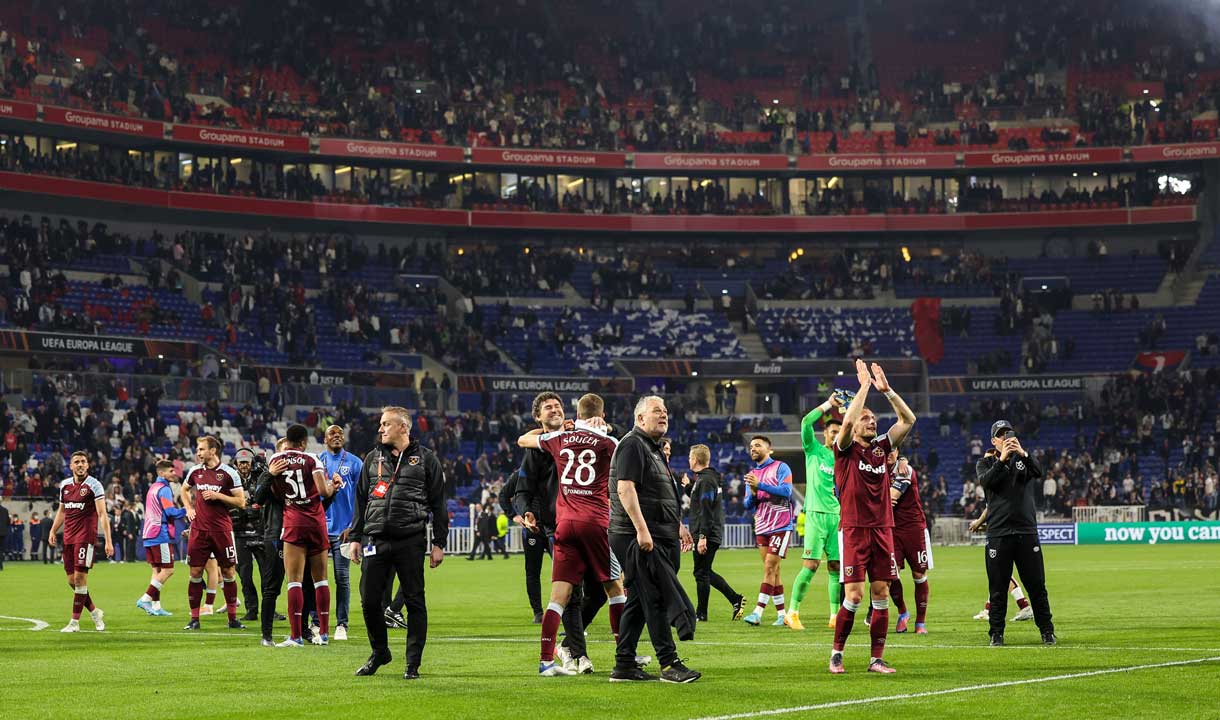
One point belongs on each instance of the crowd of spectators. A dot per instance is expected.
(463, 74)
(1148, 439)
(848, 274)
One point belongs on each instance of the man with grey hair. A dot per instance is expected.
(401, 489)
(648, 537)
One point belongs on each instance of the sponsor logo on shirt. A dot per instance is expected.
(74, 506)
(878, 469)
(213, 488)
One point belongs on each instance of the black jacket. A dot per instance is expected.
(248, 522)
(487, 525)
(1010, 494)
(401, 508)
(271, 508)
(707, 506)
(507, 492)
(658, 577)
(638, 458)
(536, 488)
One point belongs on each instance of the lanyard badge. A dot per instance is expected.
(383, 485)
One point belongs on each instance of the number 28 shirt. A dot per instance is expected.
(582, 463)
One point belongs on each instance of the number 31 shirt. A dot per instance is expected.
(296, 487)
(582, 462)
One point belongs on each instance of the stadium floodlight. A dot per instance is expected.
(694, 373)
(1145, 91)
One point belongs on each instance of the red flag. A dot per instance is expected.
(928, 338)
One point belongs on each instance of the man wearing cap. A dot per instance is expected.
(343, 469)
(1008, 476)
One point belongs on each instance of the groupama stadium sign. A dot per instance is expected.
(240, 141)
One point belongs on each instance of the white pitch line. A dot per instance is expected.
(956, 690)
(709, 643)
(38, 624)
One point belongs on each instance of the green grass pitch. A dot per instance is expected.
(1117, 611)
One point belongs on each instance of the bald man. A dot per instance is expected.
(343, 469)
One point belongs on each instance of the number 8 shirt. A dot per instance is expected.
(304, 516)
(582, 505)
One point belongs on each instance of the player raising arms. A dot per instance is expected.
(302, 483)
(862, 479)
(215, 488)
(582, 518)
(911, 543)
(81, 502)
(159, 515)
(769, 491)
(821, 508)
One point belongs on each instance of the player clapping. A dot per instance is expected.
(863, 479)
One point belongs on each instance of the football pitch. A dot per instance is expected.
(1139, 631)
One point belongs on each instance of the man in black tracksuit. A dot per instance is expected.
(1008, 476)
(707, 528)
(401, 490)
(271, 560)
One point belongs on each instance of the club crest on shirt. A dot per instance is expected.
(848, 570)
(413, 460)
(82, 490)
(878, 452)
(991, 553)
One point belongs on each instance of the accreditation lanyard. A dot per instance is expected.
(382, 486)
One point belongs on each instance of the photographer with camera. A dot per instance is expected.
(1007, 473)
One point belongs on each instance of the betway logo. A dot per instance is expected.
(878, 469)
(74, 506)
(213, 488)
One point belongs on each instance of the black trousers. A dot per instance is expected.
(404, 558)
(536, 547)
(482, 545)
(706, 579)
(637, 614)
(1025, 552)
(271, 572)
(249, 550)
